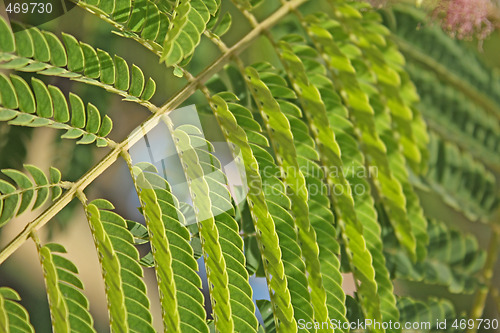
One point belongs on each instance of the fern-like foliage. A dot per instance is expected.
(336, 140)
(69, 308)
(13, 316)
(178, 283)
(16, 200)
(432, 311)
(40, 105)
(44, 53)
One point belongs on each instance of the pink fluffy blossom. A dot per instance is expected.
(466, 19)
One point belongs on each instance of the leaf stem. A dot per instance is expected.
(64, 185)
(36, 240)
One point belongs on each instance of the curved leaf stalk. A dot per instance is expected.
(363, 118)
(487, 276)
(145, 127)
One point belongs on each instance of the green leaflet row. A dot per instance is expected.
(179, 284)
(170, 29)
(128, 304)
(219, 232)
(430, 311)
(454, 260)
(189, 22)
(280, 134)
(456, 118)
(41, 105)
(13, 316)
(438, 46)
(280, 206)
(144, 18)
(68, 305)
(42, 52)
(332, 144)
(17, 197)
(463, 182)
(263, 220)
(362, 115)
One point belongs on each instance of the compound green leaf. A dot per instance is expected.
(13, 316)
